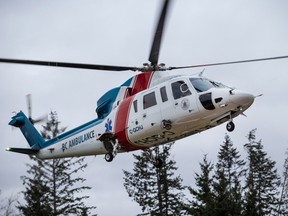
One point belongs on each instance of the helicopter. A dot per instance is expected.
(149, 109)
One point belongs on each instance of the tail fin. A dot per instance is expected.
(32, 136)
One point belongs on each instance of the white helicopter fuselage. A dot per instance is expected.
(182, 116)
(136, 117)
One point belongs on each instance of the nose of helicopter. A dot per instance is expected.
(241, 98)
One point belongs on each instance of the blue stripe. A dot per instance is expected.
(73, 132)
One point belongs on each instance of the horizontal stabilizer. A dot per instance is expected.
(23, 150)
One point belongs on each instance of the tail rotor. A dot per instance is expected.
(43, 118)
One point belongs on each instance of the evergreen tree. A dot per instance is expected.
(202, 198)
(51, 186)
(156, 190)
(262, 181)
(64, 187)
(227, 185)
(283, 205)
(36, 193)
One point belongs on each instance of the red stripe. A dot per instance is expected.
(141, 82)
(121, 124)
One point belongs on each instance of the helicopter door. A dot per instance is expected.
(145, 117)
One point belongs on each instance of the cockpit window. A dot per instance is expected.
(180, 89)
(202, 84)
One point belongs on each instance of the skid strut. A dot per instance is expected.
(115, 148)
(111, 145)
(230, 125)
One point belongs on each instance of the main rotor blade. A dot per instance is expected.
(68, 65)
(227, 63)
(155, 49)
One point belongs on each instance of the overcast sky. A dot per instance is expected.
(120, 33)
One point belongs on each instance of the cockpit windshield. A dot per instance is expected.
(203, 84)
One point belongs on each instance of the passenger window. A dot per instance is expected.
(163, 94)
(180, 89)
(149, 100)
(135, 106)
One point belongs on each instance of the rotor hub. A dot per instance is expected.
(150, 67)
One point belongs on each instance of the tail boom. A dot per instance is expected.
(81, 141)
